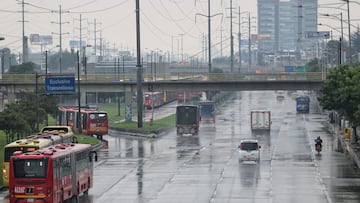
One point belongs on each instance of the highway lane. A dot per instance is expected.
(205, 168)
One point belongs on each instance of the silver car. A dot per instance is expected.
(249, 150)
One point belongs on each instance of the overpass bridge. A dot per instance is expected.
(11, 84)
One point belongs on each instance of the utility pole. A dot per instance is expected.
(231, 41)
(23, 33)
(209, 32)
(81, 45)
(342, 39)
(182, 47)
(95, 31)
(101, 45)
(239, 41)
(348, 12)
(140, 99)
(299, 30)
(172, 47)
(60, 36)
(24, 38)
(60, 44)
(249, 44)
(221, 41)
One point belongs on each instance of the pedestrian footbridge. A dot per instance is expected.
(173, 82)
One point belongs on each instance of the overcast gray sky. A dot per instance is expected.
(165, 24)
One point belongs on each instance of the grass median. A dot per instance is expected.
(165, 123)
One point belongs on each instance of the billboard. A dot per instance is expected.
(37, 39)
(318, 35)
(76, 43)
(260, 37)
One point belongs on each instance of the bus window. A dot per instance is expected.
(30, 168)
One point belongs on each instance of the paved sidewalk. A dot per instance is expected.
(347, 145)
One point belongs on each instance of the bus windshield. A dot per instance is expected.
(207, 109)
(30, 168)
(187, 116)
(10, 150)
(98, 116)
(302, 100)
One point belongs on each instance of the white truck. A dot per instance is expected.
(260, 120)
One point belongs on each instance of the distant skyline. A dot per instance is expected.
(166, 25)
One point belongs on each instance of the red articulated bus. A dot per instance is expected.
(156, 99)
(93, 121)
(54, 174)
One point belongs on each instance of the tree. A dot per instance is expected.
(33, 109)
(68, 62)
(22, 118)
(313, 66)
(13, 123)
(355, 42)
(24, 68)
(341, 92)
(333, 51)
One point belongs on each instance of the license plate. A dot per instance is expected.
(30, 200)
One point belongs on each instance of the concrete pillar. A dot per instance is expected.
(97, 98)
(83, 98)
(128, 98)
(11, 94)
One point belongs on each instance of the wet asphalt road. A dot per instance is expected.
(205, 168)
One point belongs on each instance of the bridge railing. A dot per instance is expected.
(313, 76)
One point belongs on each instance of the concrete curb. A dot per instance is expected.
(352, 149)
(352, 152)
(138, 133)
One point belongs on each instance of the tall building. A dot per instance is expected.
(286, 22)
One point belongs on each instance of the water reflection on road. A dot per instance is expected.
(205, 168)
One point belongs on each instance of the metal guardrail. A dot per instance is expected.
(311, 76)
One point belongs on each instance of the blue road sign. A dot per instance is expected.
(290, 69)
(60, 84)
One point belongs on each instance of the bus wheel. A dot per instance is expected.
(99, 137)
(62, 196)
(86, 192)
(74, 199)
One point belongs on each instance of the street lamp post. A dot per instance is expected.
(348, 12)
(340, 40)
(84, 59)
(239, 35)
(342, 35)
(79, 94)
(2, 58)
